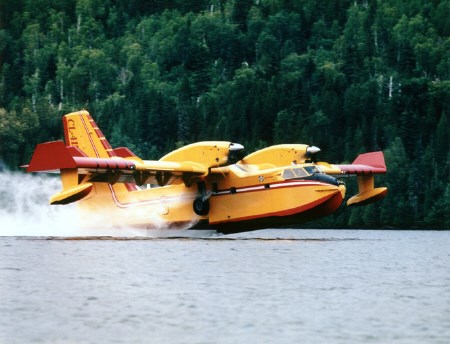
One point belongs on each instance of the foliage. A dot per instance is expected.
(348, 76)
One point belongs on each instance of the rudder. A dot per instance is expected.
(81, 131)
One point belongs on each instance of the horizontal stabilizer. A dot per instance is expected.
(55, 155)
(50, 156)
(123, 167)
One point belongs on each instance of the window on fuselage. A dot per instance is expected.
(297, 172)
(300, 172)
(288, 174)
(311, 169)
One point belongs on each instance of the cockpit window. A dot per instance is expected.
(297, 172)
(311, 169)
(288, 174)
(300, 172)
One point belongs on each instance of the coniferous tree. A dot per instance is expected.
(347, 76)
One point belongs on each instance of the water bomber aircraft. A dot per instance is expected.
(204, 185)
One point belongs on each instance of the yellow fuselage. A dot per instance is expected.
(244, 196)
(207, 184)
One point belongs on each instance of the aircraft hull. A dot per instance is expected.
(231, 211)
(307, 201)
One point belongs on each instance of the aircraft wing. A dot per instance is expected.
(368, 163)
(124, 168)
(364, 164)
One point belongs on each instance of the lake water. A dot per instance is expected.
(269, 286)
(60, 283)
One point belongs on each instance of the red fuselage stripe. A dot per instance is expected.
(278, 185)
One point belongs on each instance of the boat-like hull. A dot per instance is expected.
(233, 210)
(281, 204)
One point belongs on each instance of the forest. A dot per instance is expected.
(348, 76)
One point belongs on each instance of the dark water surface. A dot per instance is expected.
(271, 286)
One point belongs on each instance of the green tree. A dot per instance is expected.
(348, 76)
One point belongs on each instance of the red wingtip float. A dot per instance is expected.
(365, 166)
(203, 185)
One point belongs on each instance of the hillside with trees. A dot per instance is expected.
(348, 76)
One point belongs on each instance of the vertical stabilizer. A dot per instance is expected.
(81, 131)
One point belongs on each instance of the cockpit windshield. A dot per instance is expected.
(297, 172)
(311, 169)
(288, 174)
(300, 172)
(309, 172)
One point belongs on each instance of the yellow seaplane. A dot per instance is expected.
(204, 185)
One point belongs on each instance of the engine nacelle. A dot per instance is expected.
(207, 153)
(281, 155)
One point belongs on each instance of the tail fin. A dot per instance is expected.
(83, 139)
(81, 131)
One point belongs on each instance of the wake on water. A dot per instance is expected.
(24, 207)
(25, 211)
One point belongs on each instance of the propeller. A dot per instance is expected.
(311, 152)
(236, 153)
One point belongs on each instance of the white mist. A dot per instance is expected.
(25, 211)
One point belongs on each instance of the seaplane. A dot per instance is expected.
(204, 185)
